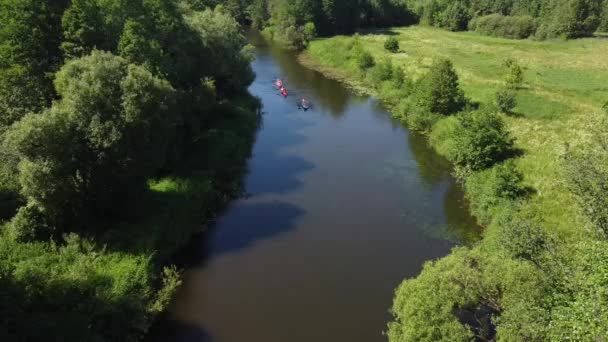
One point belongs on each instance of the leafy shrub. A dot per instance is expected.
(391, 44)
(439, 91)
(491, 190)
(569, 19)
(400, 79)
(421, 121)
(365, 60)
(505, 100)
(459, 297)
(587, 176)
(515, 77)
(381, 72)
(515, 27)
(523, 238)
(473, 140)
(28, 224)
(74, 292)
(455, 17)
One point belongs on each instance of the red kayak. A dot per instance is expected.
(284, 92)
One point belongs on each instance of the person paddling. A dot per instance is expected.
(304, 104)
(284, 92)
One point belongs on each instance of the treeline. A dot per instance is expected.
(297, 21)
(123, 125)
(515, 18)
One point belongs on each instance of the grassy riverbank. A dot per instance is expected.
(558, 104)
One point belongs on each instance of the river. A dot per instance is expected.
(344, 203)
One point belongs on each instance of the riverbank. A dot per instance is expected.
(111, 287)
(560, 100)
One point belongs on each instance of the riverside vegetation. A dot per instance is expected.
(523, 123)
(124, 127)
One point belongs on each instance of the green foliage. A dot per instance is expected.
(258, 13)
(365, 60)
(421, 121)
(30, 35)
(73, 292)
(514, 18)
(522, 238)
(473, 140)
(582, 312)
(515, 78)
(336, 16)
(461, 298)
(391, 44)
(28, 224)
(454, 18)
(114, 117)
(299, 37)
(493, 190)
(228, 62)
(383, 71)
(79, 156)
(569, 18)
(498, 25)
(439, 92)
(587, 175)
(505, 100)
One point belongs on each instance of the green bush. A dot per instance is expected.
(455, 17)
(492, 190)
(400, 79)
(505, 100)
(391, 44)
(515, 77)
(438, 91)
(381, 72)
(365, 60)
(28, 224)
(498, 25)
(473, 140)
(75, 292)
(421, 121)
(523, 238)
(586, 173)
(460, 297)
(569, 18)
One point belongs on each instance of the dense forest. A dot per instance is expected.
(297, 21)
(124, 125)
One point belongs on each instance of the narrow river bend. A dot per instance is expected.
(344, 204)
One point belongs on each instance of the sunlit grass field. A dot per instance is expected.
(566, 83)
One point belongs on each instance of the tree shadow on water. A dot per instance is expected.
(242, 226)
(166, 329)
(274, 169)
